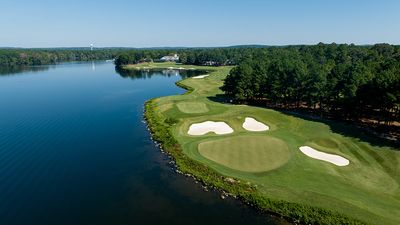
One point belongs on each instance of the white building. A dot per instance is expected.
(170, 58)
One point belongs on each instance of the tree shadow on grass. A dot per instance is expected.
(220, 98)
(349, 129)
(345, 128)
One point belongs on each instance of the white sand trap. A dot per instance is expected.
(209, 126)
(251, 124)
(200, 77)
(334, 159)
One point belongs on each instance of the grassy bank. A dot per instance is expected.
(298, 187)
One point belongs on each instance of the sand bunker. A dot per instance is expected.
(209, 126)
(334, 159)
(200, 77)
(251, 124)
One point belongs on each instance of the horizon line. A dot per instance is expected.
(191, 47)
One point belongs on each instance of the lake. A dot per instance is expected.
(74, 149)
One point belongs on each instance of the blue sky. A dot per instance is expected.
(149, 23)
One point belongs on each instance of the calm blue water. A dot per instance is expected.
(74, 150)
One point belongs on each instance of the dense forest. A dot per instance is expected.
(351, 82)
(31, 57)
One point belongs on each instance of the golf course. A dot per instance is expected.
(264, 166)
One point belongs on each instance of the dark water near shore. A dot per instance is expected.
(74, 150)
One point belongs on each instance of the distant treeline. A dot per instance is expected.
(194, 56)
(32, 57)
(348, 81)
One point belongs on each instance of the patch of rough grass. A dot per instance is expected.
(246, 153)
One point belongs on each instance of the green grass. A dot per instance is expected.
(192, 107)
(246, 153)
(309, 190)
(324, 142)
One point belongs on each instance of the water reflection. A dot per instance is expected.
(147, 73)
(9, 71)
(14, 70)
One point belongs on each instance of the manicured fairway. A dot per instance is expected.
(247, 153)
(367, 189)
(192, 107)
(324, 142)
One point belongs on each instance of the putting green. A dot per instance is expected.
(246, 153)
(192, 107)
